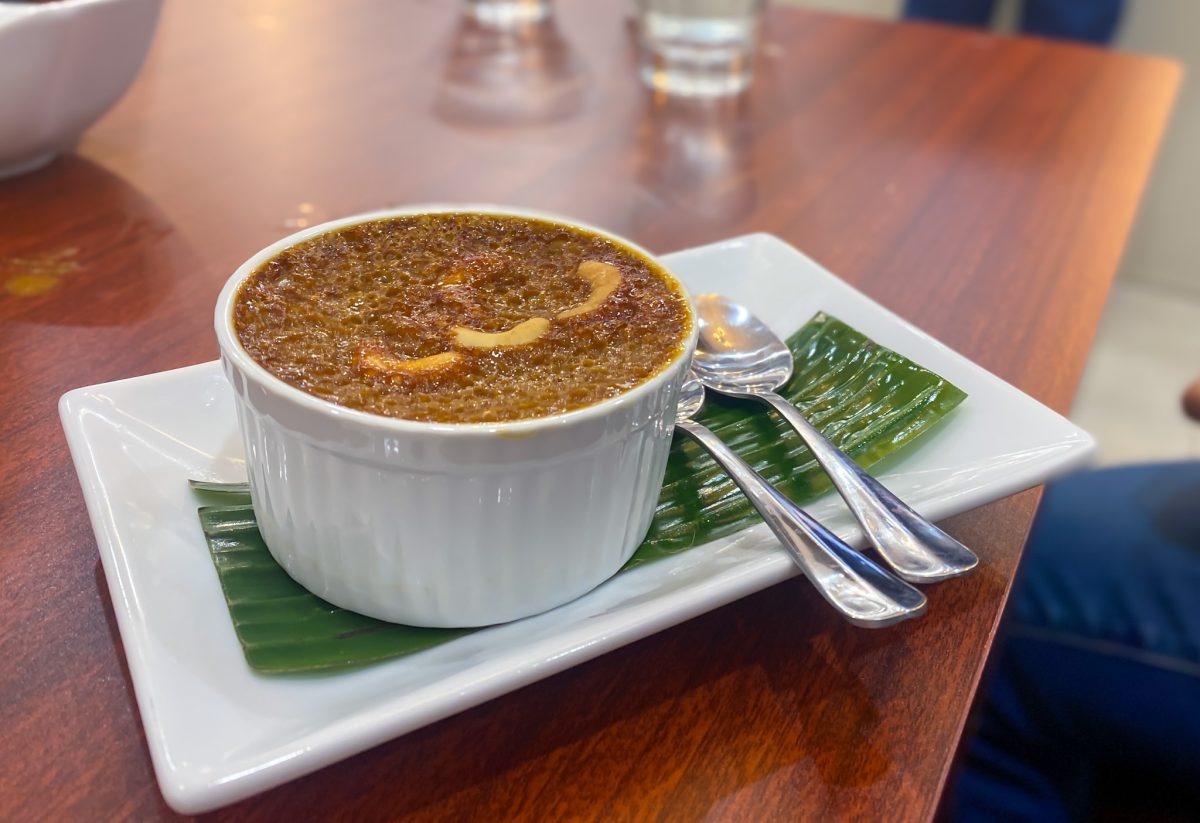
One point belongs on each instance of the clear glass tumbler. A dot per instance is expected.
(698, 48)
(509, 12)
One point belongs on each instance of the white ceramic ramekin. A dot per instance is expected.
(436, 524)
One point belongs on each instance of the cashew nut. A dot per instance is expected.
(520, 334)
(604, 279)
(374, 361)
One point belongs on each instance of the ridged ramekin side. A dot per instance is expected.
(400, 541)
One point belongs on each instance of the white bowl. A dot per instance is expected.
(438, 524)
(62, 65)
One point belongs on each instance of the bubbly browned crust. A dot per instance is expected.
(461, 318)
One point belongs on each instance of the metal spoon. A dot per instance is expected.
(739, 356)
(863, 592)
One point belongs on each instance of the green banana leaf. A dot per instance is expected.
(868, 400)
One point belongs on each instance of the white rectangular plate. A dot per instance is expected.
(218, 732)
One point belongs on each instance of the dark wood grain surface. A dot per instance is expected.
(980, 187)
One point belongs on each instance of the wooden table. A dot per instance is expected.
(980, 187)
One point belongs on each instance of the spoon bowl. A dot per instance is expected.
(737, 351)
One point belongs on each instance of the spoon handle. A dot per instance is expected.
(915, 548)
(864, 593)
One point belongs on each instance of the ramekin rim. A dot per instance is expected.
(233, 351)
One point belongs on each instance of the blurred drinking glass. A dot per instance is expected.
(506, 70)
(698, 48)
(508, 12)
